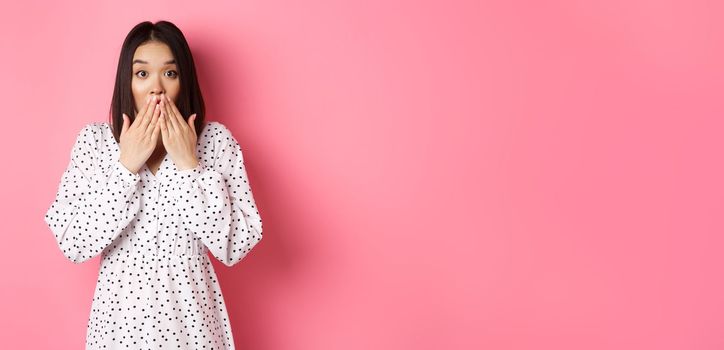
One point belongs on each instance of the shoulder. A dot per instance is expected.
(93, 139)
(215, 130)
(94, 130)
(217, 138)
(217, 135)
(89, 134)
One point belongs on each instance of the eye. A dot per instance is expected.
(174, 73)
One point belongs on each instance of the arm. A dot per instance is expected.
(91, 209)
(217, 205)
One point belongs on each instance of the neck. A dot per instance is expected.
(158, 152)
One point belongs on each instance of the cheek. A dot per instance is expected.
(139, 97)
(135, 87)
(136, 97)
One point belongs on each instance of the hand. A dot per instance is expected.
(178, 135)
(138, 140)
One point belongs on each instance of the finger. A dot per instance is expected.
(157, 113)
(140, 115)
(167, 122)
(172, 119)
(149, 114)
(177, 113)
(154, 121)
(156, 129)
(126, 122)
(164, 126)
(192, 123)
(169, 113)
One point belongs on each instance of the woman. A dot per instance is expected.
(152, 192)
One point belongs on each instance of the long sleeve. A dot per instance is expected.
(91, 208)
(217, 205)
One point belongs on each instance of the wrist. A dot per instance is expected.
(125, 165)
(187, 165)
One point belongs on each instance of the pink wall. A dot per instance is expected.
(431, 175)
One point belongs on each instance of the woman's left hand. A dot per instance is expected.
(179, 136)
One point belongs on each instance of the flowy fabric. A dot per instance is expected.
(156, 286)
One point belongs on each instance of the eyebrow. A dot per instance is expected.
(144, 62)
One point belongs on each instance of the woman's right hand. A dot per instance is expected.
(138, 140)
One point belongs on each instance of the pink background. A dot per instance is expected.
(431, 175)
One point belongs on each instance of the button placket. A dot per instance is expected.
(155, 191)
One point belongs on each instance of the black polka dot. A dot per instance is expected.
(156, 287)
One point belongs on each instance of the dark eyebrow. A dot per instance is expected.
(144, 62)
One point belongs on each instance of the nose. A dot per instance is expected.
(157, 88)
(159, 93)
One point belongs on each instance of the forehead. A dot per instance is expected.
(154, 53)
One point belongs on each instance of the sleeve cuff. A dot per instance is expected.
(127, 177)
(186, 179)
(187, 176)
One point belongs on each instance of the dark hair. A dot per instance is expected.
(189, 100)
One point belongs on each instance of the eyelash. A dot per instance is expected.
(175, 73)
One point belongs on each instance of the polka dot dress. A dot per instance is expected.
(156, 286)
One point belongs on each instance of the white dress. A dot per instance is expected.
(156, 286)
